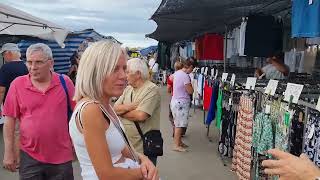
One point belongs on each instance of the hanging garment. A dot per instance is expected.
(183, 52)
(296, 133)
(219, 109)
(282, 131)
(304, 16)
(268, 44)
(199, 48)
(226, 133)
(212, 110)
(242, 38)
(212, 47)
(200, 84)
(189, 49)
(308, 60)
(241, 161)
(163, 56)
(236, 40)
(207, 94)
(290, 60)
(313, 41)
(262, 141)
(312, 138)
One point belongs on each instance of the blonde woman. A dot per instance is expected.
(100, 143)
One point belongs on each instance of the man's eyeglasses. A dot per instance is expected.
(36, 63)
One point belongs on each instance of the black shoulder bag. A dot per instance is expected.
(152, 141)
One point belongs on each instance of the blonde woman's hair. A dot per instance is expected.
(98, 61)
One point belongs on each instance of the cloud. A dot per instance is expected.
(126, 19)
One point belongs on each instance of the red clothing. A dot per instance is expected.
(43, 118)
(170, 83)
(207, 96)
(212, 47)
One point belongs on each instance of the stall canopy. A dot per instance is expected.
(75, 42)
(18, 23)
(148, 50)
(184, 19)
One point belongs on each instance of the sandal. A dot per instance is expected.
(180, 149)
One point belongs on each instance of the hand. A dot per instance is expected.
(290, 167)
(149, 171)
(10, 161)
(131, 106)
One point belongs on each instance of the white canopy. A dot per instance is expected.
(17, 22)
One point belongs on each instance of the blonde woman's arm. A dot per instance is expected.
(94, 127)
(148, 170)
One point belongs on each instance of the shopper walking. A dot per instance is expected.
(39, 102)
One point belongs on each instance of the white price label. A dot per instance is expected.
(233, 79)
(251, 83)
(212, 72)
(268, 109)
(293, 90)
(224, 76)
(206, 71)
(310, 2)
(272, 87)
(318, 105)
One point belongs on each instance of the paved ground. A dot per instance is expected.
(202, 162)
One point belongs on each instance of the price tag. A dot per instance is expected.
(272, 87)
(224, 76)
(233, 79)
(212, 72)
(310, 2)
(230, 101)
(217, 72)
(293, 90)
(206, 71)
(268, 109)
(318, 105)
(251, 83)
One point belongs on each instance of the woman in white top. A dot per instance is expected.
(95, 130)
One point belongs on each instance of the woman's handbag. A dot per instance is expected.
(152, 142)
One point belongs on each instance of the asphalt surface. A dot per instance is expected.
(201, 162)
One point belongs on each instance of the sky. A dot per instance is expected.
(126, 20)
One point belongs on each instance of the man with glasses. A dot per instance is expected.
(39, 101)
(13, 68)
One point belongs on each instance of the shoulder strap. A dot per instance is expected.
(136, 123)
(118, 126)
(63, 83)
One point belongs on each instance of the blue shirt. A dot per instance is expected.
(305, 18)
(9, 72)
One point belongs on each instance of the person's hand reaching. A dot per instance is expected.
(290, 167)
